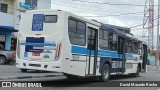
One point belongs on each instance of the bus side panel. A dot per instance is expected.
(115, 64)
(131, 66)
(78, 61)
(66, 51)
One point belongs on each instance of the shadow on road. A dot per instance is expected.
(84, 82)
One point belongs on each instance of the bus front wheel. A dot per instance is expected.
(105, 74)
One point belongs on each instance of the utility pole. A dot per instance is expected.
(148, 23)
(157, 52)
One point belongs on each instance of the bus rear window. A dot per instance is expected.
(50, 19)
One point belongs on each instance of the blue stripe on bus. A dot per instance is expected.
(38, 44)
(79, 50)
(101, 53)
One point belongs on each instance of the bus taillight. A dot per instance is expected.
(58, 52)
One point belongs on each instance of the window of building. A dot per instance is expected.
(2, 42)
(77, 32)
(3, 7)
(31, 2)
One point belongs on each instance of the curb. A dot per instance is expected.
(25, 77)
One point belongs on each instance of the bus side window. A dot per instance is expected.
(114, 42)
(103, 39)
(120, 45)
(110, 39)
(77, 32)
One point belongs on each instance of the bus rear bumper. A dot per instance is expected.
(38, 65)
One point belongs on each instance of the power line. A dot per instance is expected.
(100, 9)
(136, 13)
(117, 14)
(142, 24)
(111, 3)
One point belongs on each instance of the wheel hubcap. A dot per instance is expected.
(1, 59)
(105, 72)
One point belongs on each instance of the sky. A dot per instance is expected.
(109, 12)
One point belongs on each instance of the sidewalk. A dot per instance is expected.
(152, 68)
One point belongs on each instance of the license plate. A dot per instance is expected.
(35, 54)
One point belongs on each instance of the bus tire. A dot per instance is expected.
(105, 73)
(23, 70)
(2, 60)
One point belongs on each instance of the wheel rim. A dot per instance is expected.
(2, 59)
(106, 72)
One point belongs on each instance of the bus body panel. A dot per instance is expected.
(37, 50)
(42, 52)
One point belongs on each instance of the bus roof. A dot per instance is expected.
(69, 13)
(112, 29)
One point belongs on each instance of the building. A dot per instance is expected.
(10, 11)
(7, 8)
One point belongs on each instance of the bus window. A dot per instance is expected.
(120, 45)
(129, 46)
(81, 27)
(50, 18)
(72, 25)
(77, 32)
(103, 39)
(101, 34)
(114, 42)
(110, 39)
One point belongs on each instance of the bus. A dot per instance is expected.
(60, 41)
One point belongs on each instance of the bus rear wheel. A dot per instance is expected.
(105, 74)
(23, 70)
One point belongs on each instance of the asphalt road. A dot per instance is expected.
(60, 82)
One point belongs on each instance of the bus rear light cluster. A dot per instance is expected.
(58, 52)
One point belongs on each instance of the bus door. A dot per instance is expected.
(92, 46)
(145, 57)
(121, 52)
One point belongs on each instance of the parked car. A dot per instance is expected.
(7, 56)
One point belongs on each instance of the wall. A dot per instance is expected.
(44, 4)
(8, 40)
(6, 19)
(11, 5)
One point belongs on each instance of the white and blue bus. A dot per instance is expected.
(56, 40)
